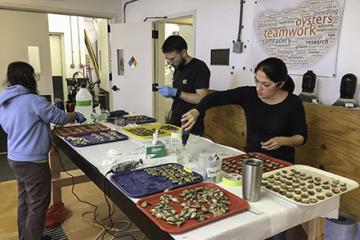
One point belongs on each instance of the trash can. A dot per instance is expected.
(345, 227)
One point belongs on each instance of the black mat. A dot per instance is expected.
(55, 233)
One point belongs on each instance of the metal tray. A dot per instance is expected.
(139, 183)
(138, 119)
(95, 138)
(234, 164)
(78, 130)
(306, 183)
(147, 130)
(237, 205)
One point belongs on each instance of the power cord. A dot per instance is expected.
(114, 232)
(77, 197)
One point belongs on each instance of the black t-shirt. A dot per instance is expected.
(194, 75)
(264, 121)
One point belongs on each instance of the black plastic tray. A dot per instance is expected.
(138, 183)
(90, 138)
(139, 119)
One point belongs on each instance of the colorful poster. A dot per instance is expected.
(305, 34)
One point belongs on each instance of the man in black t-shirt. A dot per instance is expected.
(190, 81)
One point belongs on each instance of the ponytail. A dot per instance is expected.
(289, 85)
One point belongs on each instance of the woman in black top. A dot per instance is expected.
(275, 116)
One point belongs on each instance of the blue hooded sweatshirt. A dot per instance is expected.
(26, 118)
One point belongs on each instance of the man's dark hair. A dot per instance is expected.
(22, 73)
(174, 43)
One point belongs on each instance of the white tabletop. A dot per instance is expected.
(267, 217)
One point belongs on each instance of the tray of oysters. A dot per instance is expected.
(305, 185)
(183, 209)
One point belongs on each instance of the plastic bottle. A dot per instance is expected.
(212, 168)
(84, 102)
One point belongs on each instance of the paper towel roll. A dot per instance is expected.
(340, 229)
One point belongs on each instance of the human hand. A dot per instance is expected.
(189, 119)
(80, 118)
(273, 143)
(167, 91)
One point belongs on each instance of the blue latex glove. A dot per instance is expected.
(80, 118)
(167, 91)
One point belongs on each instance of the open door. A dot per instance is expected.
(182, 26)
(132, 62)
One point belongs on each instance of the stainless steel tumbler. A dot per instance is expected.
(251, 177)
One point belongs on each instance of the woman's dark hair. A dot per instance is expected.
(22, 73)
(174, 43)
(276, 70)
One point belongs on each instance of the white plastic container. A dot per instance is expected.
(84, 103)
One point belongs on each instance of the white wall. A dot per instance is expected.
(18, 31)
(216, 26)
(90, 8)
(74, 54)
(103, 42)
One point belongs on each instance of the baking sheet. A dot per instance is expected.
(138, 119)
(237, 205)
(302, 184)
(80, 129)
(95, 138)
(146, 131)
(139, 183)
(234, 164)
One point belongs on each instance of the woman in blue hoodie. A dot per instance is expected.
(25, 116)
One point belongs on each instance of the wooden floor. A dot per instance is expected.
(76, 227)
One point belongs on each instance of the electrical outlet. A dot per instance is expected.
(238, 46)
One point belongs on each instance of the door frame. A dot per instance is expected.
(63, 66)
(159, 66)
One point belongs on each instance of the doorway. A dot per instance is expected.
(56, 51)
(183, 26)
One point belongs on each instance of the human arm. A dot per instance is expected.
(193, 98)
(297, 129)
(277, 142)
(233, 96)
(189, 119)
(52, 114)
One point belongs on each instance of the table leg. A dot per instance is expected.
(55, 173)
(316, 229)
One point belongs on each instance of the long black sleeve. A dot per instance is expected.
(221, 98)
(264, 121)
